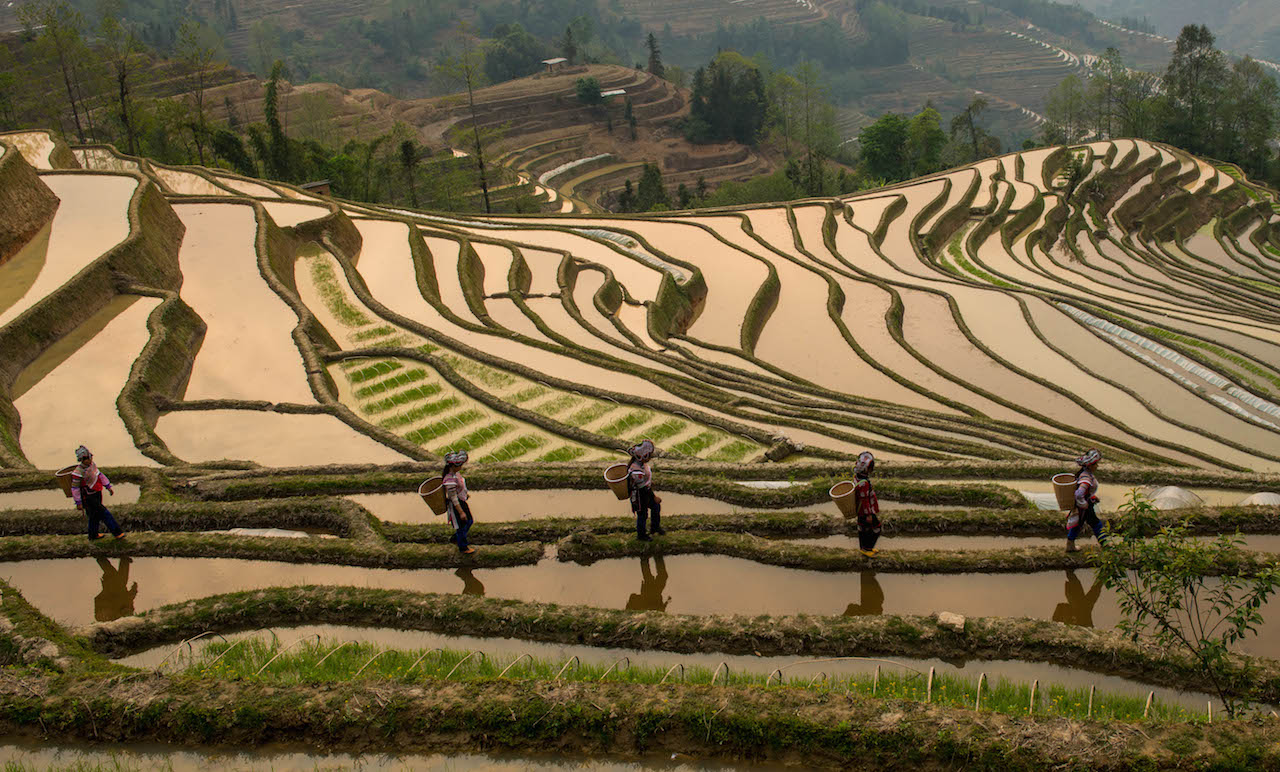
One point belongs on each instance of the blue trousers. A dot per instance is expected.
(465, 521)
(98, 515)
(1091, 517)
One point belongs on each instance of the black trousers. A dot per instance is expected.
(646, 506)
(98, 514)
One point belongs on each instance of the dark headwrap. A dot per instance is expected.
(643, 451)
(865, 463)
(456, 459)
(1091, 456)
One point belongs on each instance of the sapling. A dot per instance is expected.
(1162, 578)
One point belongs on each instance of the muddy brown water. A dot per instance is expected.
(125, 493)
(1113, 493)
(92, 218)
(282, 758)
(248, 351)
(96, 359)
(796, 669)
(510, 506)
(288, 214)
(78, 591)
(269, 438)
(1258, 542)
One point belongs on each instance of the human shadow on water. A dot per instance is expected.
(1078, 608)
(116, 598)
(470, 584)
(651, 586)
(872, 597)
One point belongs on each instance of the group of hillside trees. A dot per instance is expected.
(103, 85)
(897, 147)
(1204, 104)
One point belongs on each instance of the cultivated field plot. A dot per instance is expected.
(268, 377)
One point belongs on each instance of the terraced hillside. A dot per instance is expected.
(546, 132)
(268, 376)
(982, 313)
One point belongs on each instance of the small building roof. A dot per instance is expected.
(556, 60)
(613, 92)
(316, 184)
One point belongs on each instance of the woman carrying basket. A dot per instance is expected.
(456, 507)
(866, 504)
(87, 483)
(1086, 501)
(644, 503)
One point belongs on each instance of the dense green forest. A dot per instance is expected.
(1204, 103)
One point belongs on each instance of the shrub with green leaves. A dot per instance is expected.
(1167, 592)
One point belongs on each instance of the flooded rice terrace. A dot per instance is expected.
(78, 591)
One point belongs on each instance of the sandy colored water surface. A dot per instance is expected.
(1169, 396)
(867, 212)
(444, 258)
(995, 319)
(280, 759)
(186, 183)
(248, 351)
(92, 218)
(72, 591)
(505, 313)
(545, 266)
(864, 312)
(821, 355)
(1024, 193)
(585, 287)
(35, 147)
(733, 278)
(255, 189)
(19, 272)
(125, 493)
(75, 403)
(641, 280)
(270, 439)
(287, 214)
(960, 182)
(101, 159)
(497, 266)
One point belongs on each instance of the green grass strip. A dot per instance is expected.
(403, 398)
(323, 662)
(490, 377)
(334, 298)
(533, 392)
(697, 443)
(373, 371)
(958, 254)
(395, 381)
(513, 450)
(478, 438)
(556, 406)
(667, 429)
(441, 428)
(376, 332)
(591, 413)
(734, 451)
(1219, 352)
(419, 412)
(626, 423)
(566, 453)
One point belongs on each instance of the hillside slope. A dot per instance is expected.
(986, 312)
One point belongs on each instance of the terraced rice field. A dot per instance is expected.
(262, 364)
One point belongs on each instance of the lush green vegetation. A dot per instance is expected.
(1203, 104)
(320, 662)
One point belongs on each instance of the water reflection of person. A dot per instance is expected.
(470, 584)
(651, 586)
(116, 598)
(872, 597)
(1078, 609)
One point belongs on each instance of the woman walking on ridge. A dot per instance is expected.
(87, 483)
(866, 504)
(644, 503)
(1086, 501)
(456, 507)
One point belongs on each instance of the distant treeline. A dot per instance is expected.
(1204, 104)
